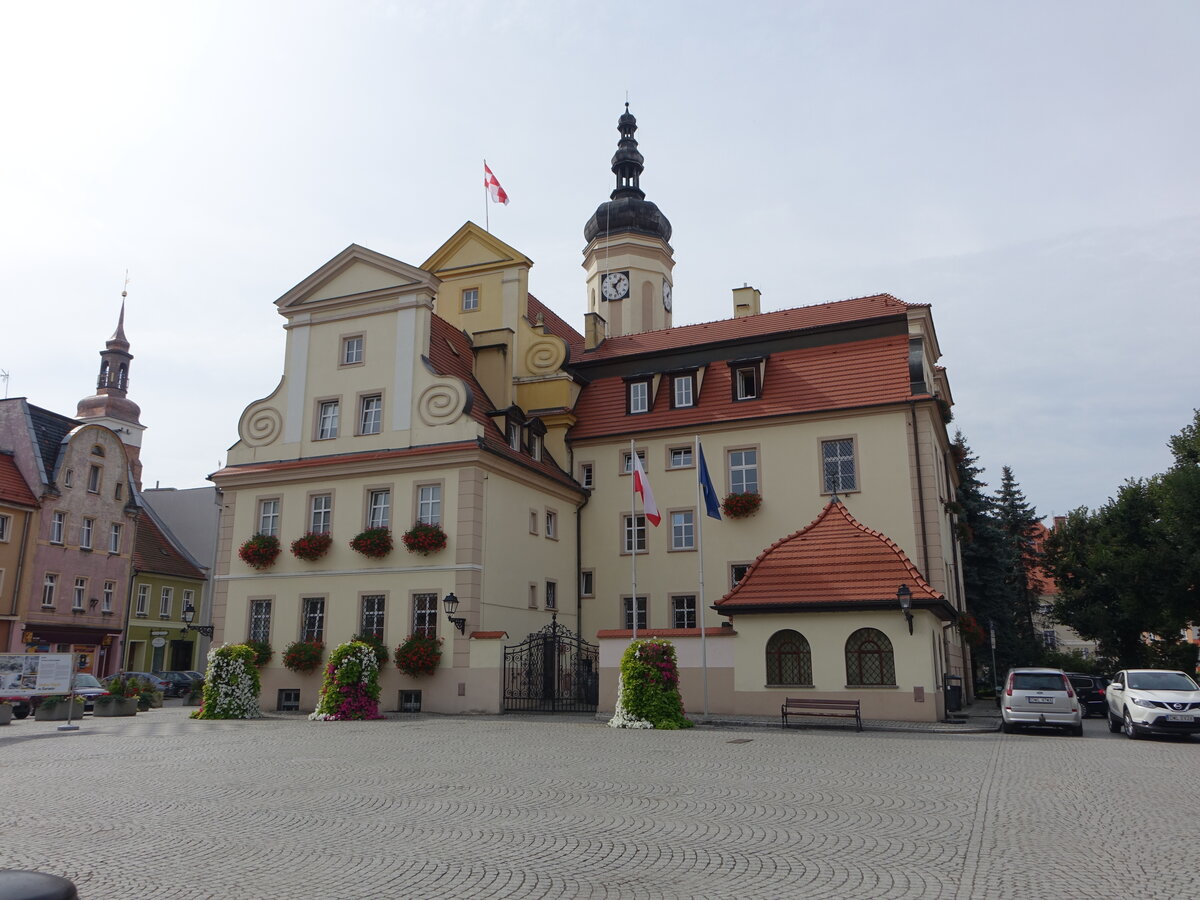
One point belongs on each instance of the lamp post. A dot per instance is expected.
(451, 604)
(904, 595)
(189, 613)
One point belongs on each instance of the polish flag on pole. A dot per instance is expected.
(641, 485)
(493, 186)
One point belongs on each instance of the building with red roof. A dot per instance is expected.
(447, 394)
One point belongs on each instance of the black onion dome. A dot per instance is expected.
(628, 209)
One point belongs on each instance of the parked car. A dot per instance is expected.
(1041, 698)
(1090, 690)
(181, 682)
(86, 686)
(1153, 701)
(167, 688)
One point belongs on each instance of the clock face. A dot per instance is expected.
(615, 285)
(667, 296)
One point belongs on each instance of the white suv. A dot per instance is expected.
(1153, 701)
(1041, 697)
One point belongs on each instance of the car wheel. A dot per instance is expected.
(1131, 730)
(1006, 727)
(1083, 710)
(20, 712)
(1077, 731)
(1114, 724)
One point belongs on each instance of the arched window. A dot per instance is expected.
(869, 658)
(789, 659)
(97, 450)
(123, 377)
(102, 381)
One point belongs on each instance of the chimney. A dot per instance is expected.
(745, 301)
(594, 328)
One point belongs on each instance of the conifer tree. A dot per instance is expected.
(1018, 522)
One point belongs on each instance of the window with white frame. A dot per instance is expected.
(641, 612)
(371, 621)
(587, 583)
(552, 525)
(5, 527)
(93, 479)
(114, 537)
(164, 602)
(142, 608)
(268, 516)
(683, 611)
(425, 615)
(49, 586)
(429, 504)
(587, 474)
(327, 419)
(683, 530)
(683, 391)
(260, 620)
(58, 523)
(633, 533)
(312, 619)
(106, 600)
(639, 397)
(745, 383)
(627, 461)
(379, 509)
(837, 466)
(681, 458)
(86, 529)
(320, 518)
(370, 414)
(470, 299)
(69, 478)
(743, 471)
(512, 433)
(78, 595)
(352, 350)
(551, 595)
(535, 446)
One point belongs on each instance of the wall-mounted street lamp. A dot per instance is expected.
(451, 604)
(904, 595)
(189, 613)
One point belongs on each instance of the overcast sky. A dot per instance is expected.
(1028, 168)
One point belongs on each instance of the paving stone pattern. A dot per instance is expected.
(421, 807)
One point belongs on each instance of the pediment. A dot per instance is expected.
(357, 272)
(473, 249)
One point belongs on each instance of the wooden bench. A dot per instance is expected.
(799, 706)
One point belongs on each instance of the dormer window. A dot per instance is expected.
(535, 445)
(639, 397)
(683, 391)
(513, 434)
(745, 383)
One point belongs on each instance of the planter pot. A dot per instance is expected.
(122, 706)
(58, 712)
(6, 713)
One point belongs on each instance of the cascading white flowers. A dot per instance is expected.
(622, 718)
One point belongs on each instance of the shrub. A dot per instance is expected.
(350, 689)
(649, 688)
(231, 684)
(312, 545)
(374, 543)
(419, 655)
(303, 656)
(259, 551)
(424, 539)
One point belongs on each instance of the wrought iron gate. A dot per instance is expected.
(552, 670)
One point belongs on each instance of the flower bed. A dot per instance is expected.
(303, 656)
(424, 539)
(648, 690)
(419, 655)
(350, 689)
(312, 545)
(739, 506)
(374, 543)
(260, 551)
(231, 684)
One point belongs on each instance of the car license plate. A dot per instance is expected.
(1040, 699)
(1180, 719)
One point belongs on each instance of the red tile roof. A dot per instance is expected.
(13, 488)
(554, 324)
(834, 561)
(784, 321)
(488, 635)
(809, 379)
(1041, 580)
(154, 552)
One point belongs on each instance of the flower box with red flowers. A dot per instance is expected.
(424, 538)
(374, 543)
(260, 551)
(739, 506)
(312, 546)
(419, 655)
(303, 656)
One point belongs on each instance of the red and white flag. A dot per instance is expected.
(493, 186)
(641, 485)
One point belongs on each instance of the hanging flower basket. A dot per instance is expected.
(419, 655)
(312, 546)
(971, 630)
(260, 551)
(303, 656)
(425, 539)
(374, 543)
(739, 506)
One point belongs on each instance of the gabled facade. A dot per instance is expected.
(18, 538)
(450, 384)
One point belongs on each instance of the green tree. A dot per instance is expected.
(1021, 560)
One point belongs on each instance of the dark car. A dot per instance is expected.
(167, 688)
(181, 683)
(1090, 690)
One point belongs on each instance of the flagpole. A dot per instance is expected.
(633, 534)
(700, 546)
(487, 220)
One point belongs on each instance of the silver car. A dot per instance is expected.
(1041, 698)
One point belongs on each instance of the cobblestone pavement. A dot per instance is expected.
(421, 807)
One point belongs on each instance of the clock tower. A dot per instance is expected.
(628, 259)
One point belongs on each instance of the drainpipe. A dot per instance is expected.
(579, 564)
(912, 417)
